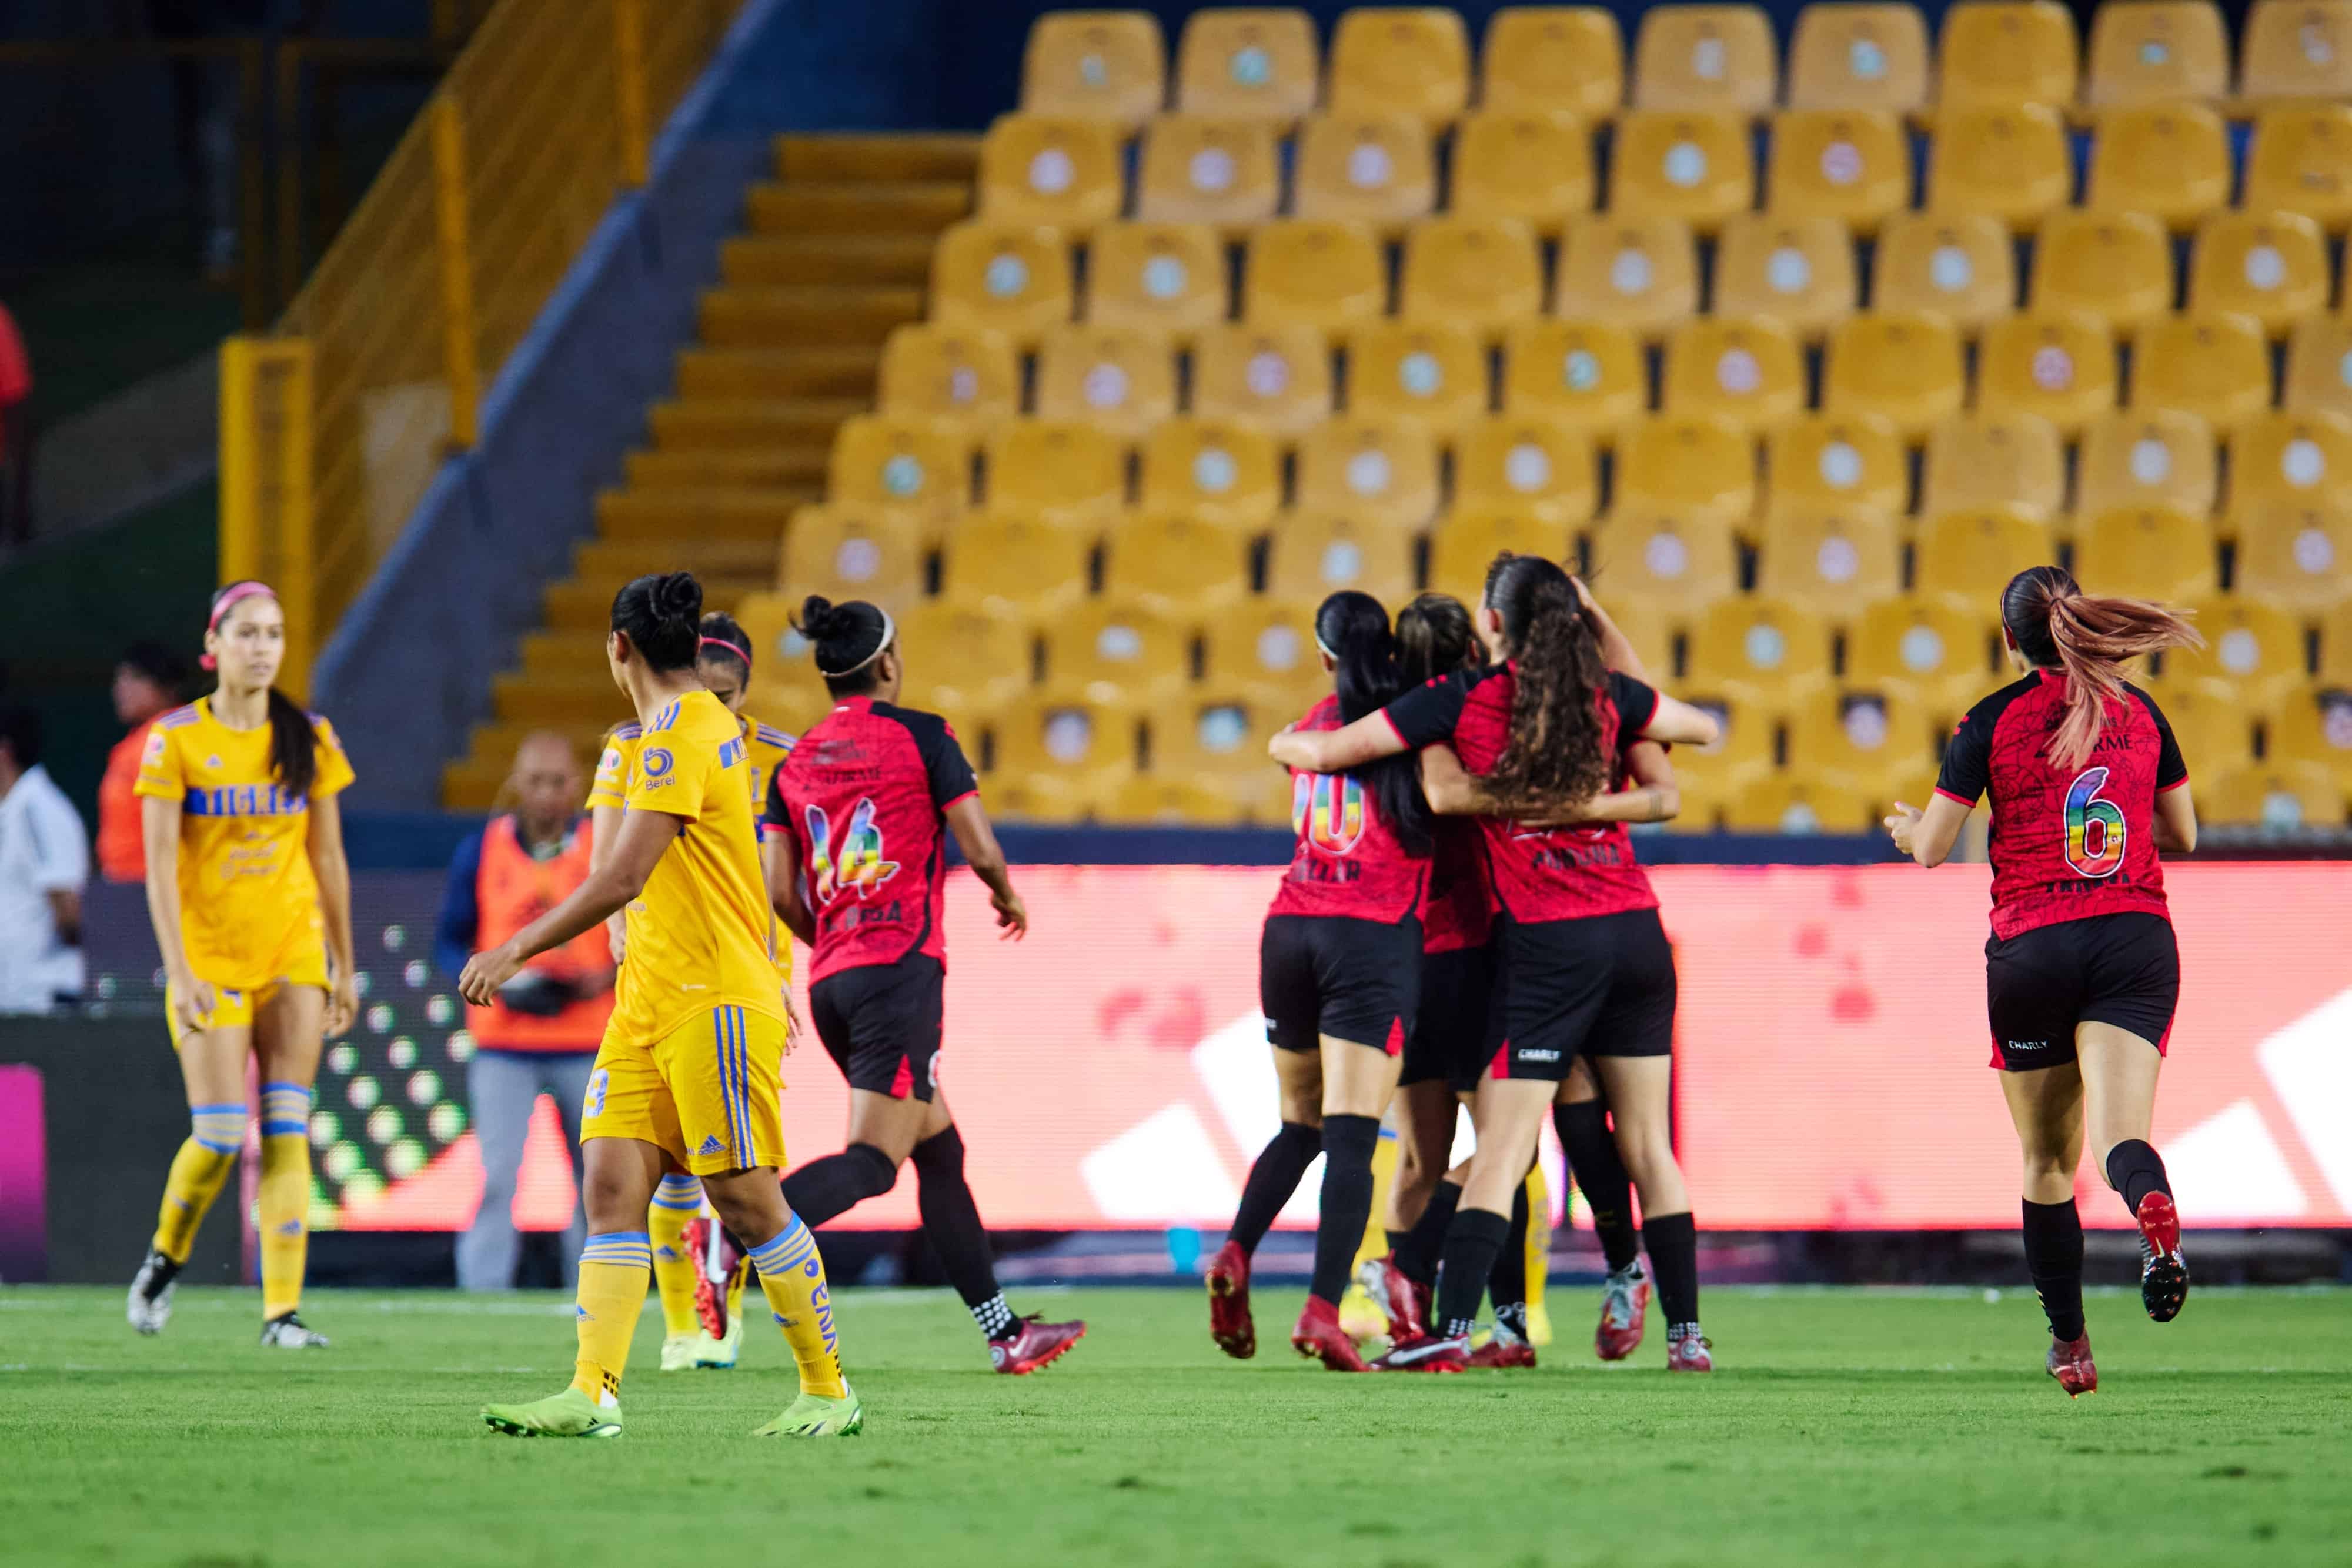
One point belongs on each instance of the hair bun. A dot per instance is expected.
(820, 618)
(679, 597)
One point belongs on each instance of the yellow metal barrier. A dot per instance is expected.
(265, 484)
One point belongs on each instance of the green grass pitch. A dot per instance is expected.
(1900, 1428)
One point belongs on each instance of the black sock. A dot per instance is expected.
(1272, 1180)
(1417, 1253)
(2054, 1257)
(836, 1184)
(952, 1225)
(1506, 1286)
(1349, 1143)
(1593, 1161)
(1471, 1241)
(2135, 1170)
(1673, 1260)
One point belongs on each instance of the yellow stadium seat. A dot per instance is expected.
(1640, 274)
(2118, 265)
(1859, 56)
(1879, 740)
(1928, 645)
(1994, 460)
(2009, 163)
(2301, 162)
(2271, 267)
(1747, 745)
(1543, 57)
(1020, 567)
(2296, 51)
(2336, 645)
(1673, 561)
(1834, 563)
(1108, 65)
(2168, 160)
(1168, 278)
(2002, 55)
(2315, 726)
(963, 659)
(2253, 652)
(1462, 546)
(852, 552)
(1120, 378)
(1586, 376)
(1903, 367)
(1267, 646)
(1319, 553)
(1054, 170)
(2060, 367)
(1649, 628)
(2146, 552)
(1221, 470)
(1837, 464)
(1479, 273)
(1068, 471)
(1697, 465)
(1068, 752)
(1705, 57)
(2320, 366)
(916, 465)
(1761, 652)
(1533, 165)
(1969, 556)
(1795, 804)
(1430, 370)
(1748, 372)
(2157, 457)
(1154, 799)
(1401, 61)
(2298, 556)
(1681, 164)
(1110, 652)
(1277, 379)
(2293, 798)
(1534, 466)
(1849, 164)
(2215, 733)
(1960, 267)
(946, 373)
(1217, 741)
(1311, 274)
(2300, 458)
(2157, 51)
(1201, 169)
(1258, 62)
(1177, 565)
(2217, 367)
(1366, 167)
(1006, 277)
(1797, 271)
(1369, 467)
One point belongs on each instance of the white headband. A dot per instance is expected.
(889, 635)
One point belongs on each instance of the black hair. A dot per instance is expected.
(723, 640)
(1366, 677)
(849, 637)
(1555, 750)
(662, 617)
(293, 739)
(1434, 637)
(2057, 626)
(158, 663)
(20, 729)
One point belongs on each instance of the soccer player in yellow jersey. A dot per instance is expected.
(251, 897)
(689, 1071)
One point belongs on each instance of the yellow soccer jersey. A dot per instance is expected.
(767, 746)
(248, 902)
(612, 781)
(699, 933)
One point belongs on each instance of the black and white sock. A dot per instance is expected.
(994, 1318)
(1471, 1241)
(1593, 1161)
(1506, 1287)
(2135, 1169)
(1349, 1143)
(952, 1223)
(2054, 1258)
(1418, 1250)
(826, 1189)
(1673, 1241)
(1273, 1178)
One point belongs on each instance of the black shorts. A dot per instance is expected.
(1602, 986)
(1453, 1028)
(1352, 979)
(2118, 969)
(881, 1024)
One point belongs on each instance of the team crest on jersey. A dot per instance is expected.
(1327, 809)
(593, 1102)
(855, 864)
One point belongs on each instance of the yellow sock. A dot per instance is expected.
(199, 1171)
(676, 1202)
(612, 1293)
(1539, 1236)
(1376, 1239)
(735, 1286)
(284, 1220)
(792, 1275)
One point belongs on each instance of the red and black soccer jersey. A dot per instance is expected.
(2066, 843)
(1461, 909)
(1539, 873)
(864, 796)
(1347, 862)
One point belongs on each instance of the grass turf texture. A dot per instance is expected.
(1847, 1427)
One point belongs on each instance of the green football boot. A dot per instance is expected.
(815, 1415)
(678, 1350)
(570, 1414)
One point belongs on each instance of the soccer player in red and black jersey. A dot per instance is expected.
(2081, 971)
(855, 835)
(1582, 956)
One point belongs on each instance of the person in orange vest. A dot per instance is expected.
(540, 1034)
(147, 682)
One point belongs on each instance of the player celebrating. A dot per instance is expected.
(251, 901)
(2080, 972)
(688, 1075)
(856, 866)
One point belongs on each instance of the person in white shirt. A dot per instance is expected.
(44, 861)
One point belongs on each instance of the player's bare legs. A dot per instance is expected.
(1639, 1089)
(212, 1066)
(2046, 1105)
(1580, 1117)
(2119, 1073)
(1274, 1175)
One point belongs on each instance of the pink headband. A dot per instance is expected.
(735, 648)
(231, 596)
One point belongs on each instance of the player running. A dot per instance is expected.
(1582, 956)
(688, 1075)
(251, 900)
(856, 861)
(2082, 972)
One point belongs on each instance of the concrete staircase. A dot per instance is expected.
(836, 252)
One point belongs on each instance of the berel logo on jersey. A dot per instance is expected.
(857, 863)
(1327, 809)
(655, 764)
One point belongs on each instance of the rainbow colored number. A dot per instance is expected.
(1328, 810)
(2095, 828)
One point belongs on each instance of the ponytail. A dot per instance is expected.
(1434, 637)
(1353, 628)
(1555, 750)
(2058, 626)
(293, 746)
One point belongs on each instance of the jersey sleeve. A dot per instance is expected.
(611, 785)
(1428, 713)
(2171, 768)
(1968, 758)
(1636, 703)
(334, 773)
(775, 816)
(673, 775)
(160, 773)
(945, 765)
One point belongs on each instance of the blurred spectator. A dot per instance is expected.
(44, 861)
(541, 1035)
(146, 686)
(15, 434)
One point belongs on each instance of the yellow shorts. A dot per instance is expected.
(705, 1092)
(235, 1010)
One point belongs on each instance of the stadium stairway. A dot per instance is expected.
(836, 251)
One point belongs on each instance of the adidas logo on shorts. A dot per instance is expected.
(710, 1145)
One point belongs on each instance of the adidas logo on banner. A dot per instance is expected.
(710, 1145)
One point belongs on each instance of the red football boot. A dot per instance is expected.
(1402, 1299)
(1319, 1337)
(1689, 1350)
(1507, 1349)
(1427, 1353)
(1036, 1345)
(2163, 1276)
(716, 1259)
(2069, 1363)
(1230, 1323)
(1624, 1308)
